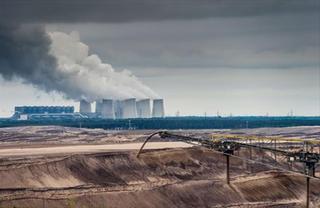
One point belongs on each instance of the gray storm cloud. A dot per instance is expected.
(46, 11)
(61, 62)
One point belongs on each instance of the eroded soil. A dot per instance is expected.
(192, 177)
(176, 177)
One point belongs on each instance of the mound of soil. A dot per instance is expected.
(192, 177)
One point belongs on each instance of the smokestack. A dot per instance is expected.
(158, 108)
(98, 107)
(85, 106)
(129, 108)
(144, 108)
(107, 109)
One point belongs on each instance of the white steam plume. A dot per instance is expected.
(85, 76)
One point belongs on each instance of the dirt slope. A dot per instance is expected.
(191, 177)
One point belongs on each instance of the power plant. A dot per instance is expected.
(43, 109)
(158, 108)
(117, 109)
(123, 109)
(43, 112)
(85, 107)
(107, 109)
(104, 109)
(143, 108)
(129, 108)
(98, 107)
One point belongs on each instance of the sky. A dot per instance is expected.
(249, 57)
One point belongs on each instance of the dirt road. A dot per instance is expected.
(87, 148)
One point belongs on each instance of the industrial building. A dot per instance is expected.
(117, 109)
(98, 107)
(144, 108)
(123, 109)
(43, 109)
(41, 112)
(104, 108)
(85, 106)
(129, 108)
(107, 109)
(158, 108)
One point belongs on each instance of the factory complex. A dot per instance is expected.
(104, 109)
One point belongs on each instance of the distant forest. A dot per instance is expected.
(174, 122)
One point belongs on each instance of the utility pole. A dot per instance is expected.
(308, 193)
(275, 147)
(228, 169)
(250, 149)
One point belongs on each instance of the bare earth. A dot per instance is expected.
(72, 149)
(69, 167)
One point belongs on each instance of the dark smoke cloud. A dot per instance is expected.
(24, 49)
(24, 54)
(63, 11)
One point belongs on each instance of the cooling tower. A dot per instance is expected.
(85, 106)
(117, 109)
(158, 108)
(98, 107)
(129, 108)
(107, 109)
(144, 108)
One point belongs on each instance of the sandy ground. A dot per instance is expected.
(182, 177)
(53, 167)
(88, 148)
(301, 131)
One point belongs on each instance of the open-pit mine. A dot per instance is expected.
(55, 167)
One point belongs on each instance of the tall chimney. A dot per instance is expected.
(158, 108)
(85, 106)
(107, 109)
(129, 108)
(144, 108)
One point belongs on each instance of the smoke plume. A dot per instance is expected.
(60, 62)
